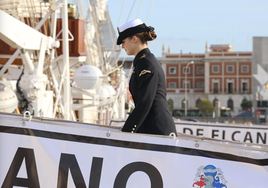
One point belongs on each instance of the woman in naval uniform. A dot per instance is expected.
(147, 85)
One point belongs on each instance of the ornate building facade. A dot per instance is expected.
(219, 74)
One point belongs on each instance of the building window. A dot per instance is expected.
(200, 85)
(244, 87)
(230, 104)
(244, 68)
(230, 68)
(172, 85)
(215, 87)
(230, 87)
(197, 103)
(184, 70)
(215, 69)
(188, 84)
(200, 70)
(172, 70)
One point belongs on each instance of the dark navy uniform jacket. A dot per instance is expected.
(147, 85)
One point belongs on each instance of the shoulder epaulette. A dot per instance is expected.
(144, 72)
(143, 56)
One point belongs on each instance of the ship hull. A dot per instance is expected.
(51, 153)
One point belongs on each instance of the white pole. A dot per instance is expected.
(27, 61)
(53, 31)
(66, 60)
(122, 96)
(186, 72)
(101, 115)
(185, 88)
(57, 91)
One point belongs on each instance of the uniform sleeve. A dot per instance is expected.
(148, 81)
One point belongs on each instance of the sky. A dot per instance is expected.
(187, 25)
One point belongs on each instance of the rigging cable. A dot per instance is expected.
(118, 24)
(126, 22)
(131, 10)
(139, 9)
(149, 11)
(121, 13)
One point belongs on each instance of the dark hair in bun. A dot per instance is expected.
(146, 35)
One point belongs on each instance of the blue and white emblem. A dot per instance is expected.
(209, 177)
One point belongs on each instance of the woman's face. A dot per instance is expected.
(129, 45)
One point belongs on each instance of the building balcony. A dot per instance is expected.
(244, 92)
(231, 92)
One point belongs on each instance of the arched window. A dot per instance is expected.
(230, 104)
(183, 103)
(214, 101)
(197, 103)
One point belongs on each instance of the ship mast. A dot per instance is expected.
(66, 73)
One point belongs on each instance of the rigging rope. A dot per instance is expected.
(121, 13)
(131, 10)
(149, 11)
(139, 9)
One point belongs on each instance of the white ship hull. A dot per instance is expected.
(50, 153)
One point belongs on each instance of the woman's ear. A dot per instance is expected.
(135, 38)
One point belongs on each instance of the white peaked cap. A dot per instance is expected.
(130, 24)
(131, 28)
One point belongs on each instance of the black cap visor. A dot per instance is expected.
(131, 31)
